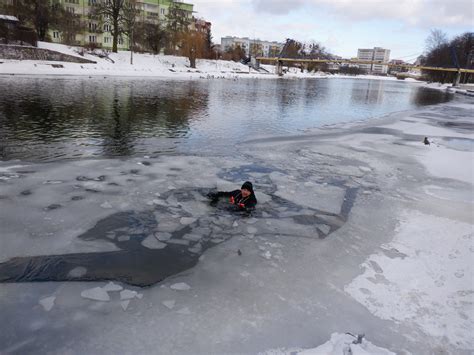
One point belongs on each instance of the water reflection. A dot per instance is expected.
(76, 118)
(368, 92)
(50, 119)
(424, 96)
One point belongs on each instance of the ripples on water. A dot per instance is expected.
(52, 119)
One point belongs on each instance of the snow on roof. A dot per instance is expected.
(8, 18)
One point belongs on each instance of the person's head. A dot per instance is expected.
(246, 189)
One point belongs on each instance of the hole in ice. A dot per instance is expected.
(171, 236)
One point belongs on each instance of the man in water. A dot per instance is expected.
(244, 199)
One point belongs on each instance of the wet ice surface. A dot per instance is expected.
(303, 266)
(171, 228)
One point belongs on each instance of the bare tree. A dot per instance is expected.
(192, 45)
(150, 36)
(44, 15)
(42, 18)
(129, 15)
(177, 24)
(209, 45)
(112, 12)
(67, 23)
(292, 49)
(458, 51)
(234, 53)
(436, 39)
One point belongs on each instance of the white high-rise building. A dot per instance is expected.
(374, 54)
(252, 47)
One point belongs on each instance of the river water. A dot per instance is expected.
(50, 119)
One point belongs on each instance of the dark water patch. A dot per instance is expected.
(394, 253)
(244, 173)
(53, 206)
(348, 202)
(380, 130)
(26, 193)
(77, 198)
(459, 125)
(85, 178)
(25, 171)
(134, 267)
(392, 132)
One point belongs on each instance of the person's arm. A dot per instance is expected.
(217, 194)
(248, 205)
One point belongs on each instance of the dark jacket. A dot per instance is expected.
(235, 197)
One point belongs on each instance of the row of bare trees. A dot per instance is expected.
(123, 19)
(455, 53)
(43, 16)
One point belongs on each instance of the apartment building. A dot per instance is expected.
(252, 47)
(374, 54)
(97, 32)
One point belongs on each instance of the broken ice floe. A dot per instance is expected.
(128, 294)
(96, 294)
(169, 304)
(124, 304)
(47, 303)
(170, 234)
(111, 287)
(77, 272)
(152, 243)
(106, 205)
(180, 286)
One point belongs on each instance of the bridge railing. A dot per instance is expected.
(368, 62)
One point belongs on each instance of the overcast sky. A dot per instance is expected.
(342, 26)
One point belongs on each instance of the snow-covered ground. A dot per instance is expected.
(170, 67)
(147, 65)
(339, 344)
(359, 228)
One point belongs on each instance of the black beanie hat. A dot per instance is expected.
(247, 186)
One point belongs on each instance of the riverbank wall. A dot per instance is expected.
(15, 52)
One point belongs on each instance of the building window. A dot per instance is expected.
(106, 39)
(107, 28)
(162, 11)
(92, 2)
(55, 34)
(70, 10)
(92, 39)
(120, 41)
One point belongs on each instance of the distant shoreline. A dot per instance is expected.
(150, 65)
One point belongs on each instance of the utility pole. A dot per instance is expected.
(454, 57)
(131, 47)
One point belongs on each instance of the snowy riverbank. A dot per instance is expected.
(145, 65)
(149, 65)
(359, 228)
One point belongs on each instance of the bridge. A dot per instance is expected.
(278, 61)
